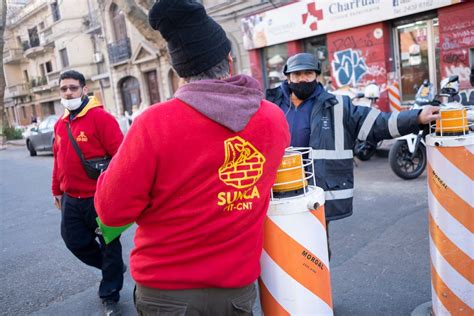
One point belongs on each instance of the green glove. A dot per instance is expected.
(109, 233)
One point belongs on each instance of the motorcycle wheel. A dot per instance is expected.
(402, 165)
(365, 150)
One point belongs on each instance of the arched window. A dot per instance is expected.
(130, 90)
(118, 23)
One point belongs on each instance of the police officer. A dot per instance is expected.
(330, 125)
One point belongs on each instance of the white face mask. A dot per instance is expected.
(71, 104)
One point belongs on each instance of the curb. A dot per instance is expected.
(19, 142)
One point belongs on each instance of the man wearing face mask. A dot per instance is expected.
(97, 134)
(330, 125)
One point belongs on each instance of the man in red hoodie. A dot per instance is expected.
(195, 174)
(97, 134)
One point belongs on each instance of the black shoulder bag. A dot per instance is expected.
(93, 167)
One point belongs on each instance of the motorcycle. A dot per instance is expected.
(407, 156)
(364, 150)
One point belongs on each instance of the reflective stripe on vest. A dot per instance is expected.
(368, 124)
(392, 125)
(339, 152)
(339, 194)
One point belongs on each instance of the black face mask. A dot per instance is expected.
(303, 90)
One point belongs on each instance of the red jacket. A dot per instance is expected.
(198, 191)
(97, 133)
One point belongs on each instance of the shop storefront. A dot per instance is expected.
(367, 41)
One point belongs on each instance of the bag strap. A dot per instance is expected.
(74, 144)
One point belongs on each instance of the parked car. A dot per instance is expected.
(41, 138)
(26, 130)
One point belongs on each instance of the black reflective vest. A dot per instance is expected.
(335, 125)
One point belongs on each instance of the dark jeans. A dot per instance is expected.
(195, 302)
(78, 225)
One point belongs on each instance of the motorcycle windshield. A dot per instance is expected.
(425, 94)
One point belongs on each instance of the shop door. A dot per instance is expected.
(152, 84)
(418, 55)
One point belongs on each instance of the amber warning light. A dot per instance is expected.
(295, 171)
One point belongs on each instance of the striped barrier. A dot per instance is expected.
(295, 278)
(394, 98)
(451, 221)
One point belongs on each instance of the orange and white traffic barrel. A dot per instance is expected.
(295, 277)
(451, 221)
(394, 98)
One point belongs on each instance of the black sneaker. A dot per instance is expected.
(111, 308)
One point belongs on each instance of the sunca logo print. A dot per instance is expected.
(242, 167)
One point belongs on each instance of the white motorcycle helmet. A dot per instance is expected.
(372, 91)
(450, 86)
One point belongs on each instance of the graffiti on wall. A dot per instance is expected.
(458, 70)
(354, 41)
(348, 67)
(376, 71)
(466, 97)
(457, 39)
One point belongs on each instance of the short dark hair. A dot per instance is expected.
(72, 74)
(219, 71)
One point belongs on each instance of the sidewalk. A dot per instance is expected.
(15, 142)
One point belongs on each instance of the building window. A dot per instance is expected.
(25, 75)
(152, 83)
(48, 66)
(33, 36)
(23, 113)
(130, 88)
(64, 58)
(118, 23)
(55, 11)
(414, 51)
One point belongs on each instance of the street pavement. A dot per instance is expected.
(379, 265)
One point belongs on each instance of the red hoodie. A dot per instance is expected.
(198, 189)
(98, 135)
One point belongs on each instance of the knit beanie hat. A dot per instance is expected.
(196, 42)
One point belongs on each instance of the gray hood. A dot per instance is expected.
(230, 102)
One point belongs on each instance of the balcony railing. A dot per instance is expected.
(53, 78)
(47, 37)
(13, 55)
(32, 49)
(39, 84)
(19, 90)
(25, 45)
(119, 51)
(28, 10)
